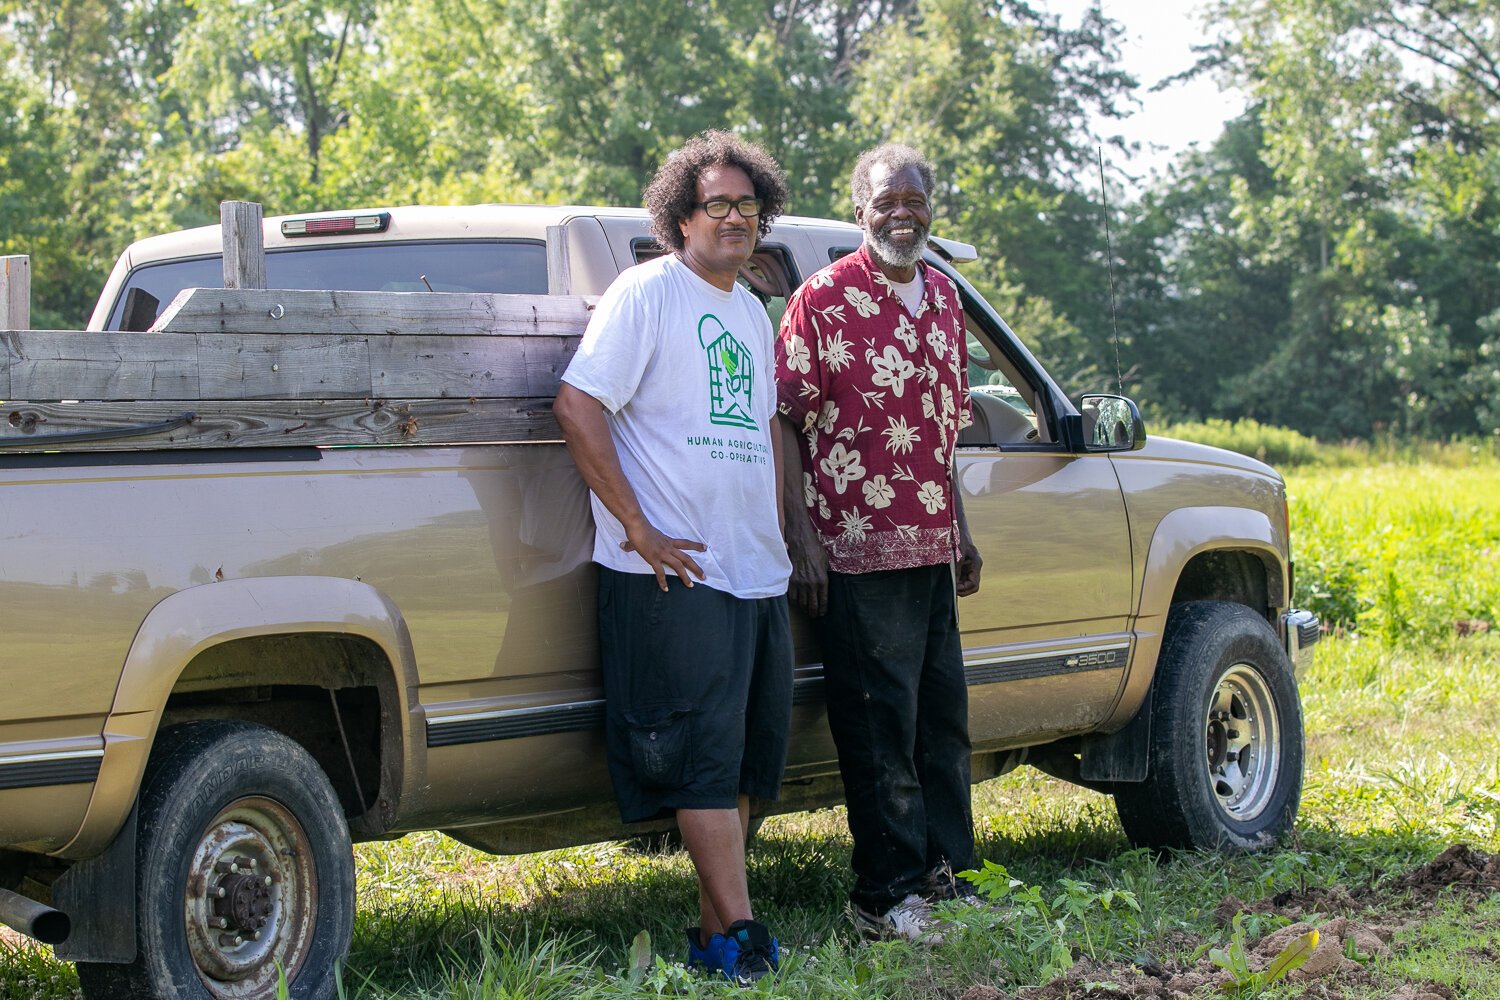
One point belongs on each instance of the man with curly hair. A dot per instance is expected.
(669, 412)
(872, 374)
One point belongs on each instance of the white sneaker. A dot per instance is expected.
(909, 920)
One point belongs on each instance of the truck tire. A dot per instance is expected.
(241, 839)
(1225, 768)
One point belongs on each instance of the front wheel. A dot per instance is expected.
(244, 872)
(1226, 736)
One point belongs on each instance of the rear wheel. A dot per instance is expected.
(1226, 736)
(243, 867)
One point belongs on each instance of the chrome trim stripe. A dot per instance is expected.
(32, 758)
(1073, 661)
(510, 724)
(982, 661)
(37, 770)
(578, 716)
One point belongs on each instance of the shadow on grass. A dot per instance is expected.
(798, 885)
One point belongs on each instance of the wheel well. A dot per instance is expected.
(1236, 576)
(328, 692)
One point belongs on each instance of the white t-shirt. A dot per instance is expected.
(910, 292)
(687, 378)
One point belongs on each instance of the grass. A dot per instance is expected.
(1402, 553)
(1400, 714)
(1286, 449)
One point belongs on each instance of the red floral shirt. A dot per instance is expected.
(880, 395)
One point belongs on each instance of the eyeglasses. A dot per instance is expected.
(719, 208)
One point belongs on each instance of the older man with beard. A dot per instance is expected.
(872, 371)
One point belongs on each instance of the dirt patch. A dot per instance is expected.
(1459, 868)
(1355, 926)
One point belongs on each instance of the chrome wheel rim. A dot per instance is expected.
(251, 899)
(1242, 742)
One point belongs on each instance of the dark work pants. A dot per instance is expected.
(898, 705)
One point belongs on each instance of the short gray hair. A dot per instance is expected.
(894, 156)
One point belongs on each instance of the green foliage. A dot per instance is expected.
(1337, 242)
(1278, 446)
(1401, 554)
(1247, 982)
(1079, 917)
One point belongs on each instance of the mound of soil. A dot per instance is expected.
(1361, 922)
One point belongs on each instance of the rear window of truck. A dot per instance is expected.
(510, 266)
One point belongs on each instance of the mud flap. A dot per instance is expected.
(98, 895)
(1124, 755)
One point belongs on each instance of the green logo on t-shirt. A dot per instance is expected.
(731, 374)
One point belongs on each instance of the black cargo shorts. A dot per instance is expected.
(698, 694)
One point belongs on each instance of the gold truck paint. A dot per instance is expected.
(191, 621)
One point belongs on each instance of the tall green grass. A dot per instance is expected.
(1285, 448)
(1401, 553)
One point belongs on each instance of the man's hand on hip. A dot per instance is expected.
(662, 553)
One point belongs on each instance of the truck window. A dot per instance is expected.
(768, 274)
(511, 266)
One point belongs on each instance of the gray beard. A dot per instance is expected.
(894, 255)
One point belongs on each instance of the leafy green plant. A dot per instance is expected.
(1079, 918)
(640, 958)
(1247, 982)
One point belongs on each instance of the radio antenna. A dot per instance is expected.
(1109, 245)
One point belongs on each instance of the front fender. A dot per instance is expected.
(191, 621)
(1180, 536)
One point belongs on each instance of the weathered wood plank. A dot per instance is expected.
(546, 360)
(61, 364)
(15, 292)
(65, 364)
(262, 366)
(449, 366)
(38, 427)
(244, 244)
(289, 310)
(7, 360)
(559, 262)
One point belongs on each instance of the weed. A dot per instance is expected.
(1245, 981)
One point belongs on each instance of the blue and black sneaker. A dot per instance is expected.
(708, 957)
(755, 953)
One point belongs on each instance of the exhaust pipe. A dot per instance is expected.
(33, 919)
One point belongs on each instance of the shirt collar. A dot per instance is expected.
(880, 284)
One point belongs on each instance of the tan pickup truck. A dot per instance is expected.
(231, 648)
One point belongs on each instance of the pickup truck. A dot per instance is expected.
(230, 656)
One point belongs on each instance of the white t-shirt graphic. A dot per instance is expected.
(685, 372)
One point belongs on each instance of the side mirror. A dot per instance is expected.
(1111, 423)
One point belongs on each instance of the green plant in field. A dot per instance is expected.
(1041, 933)
(1080, 916)
(640, 958)
(1234, 958)
(1114, 912)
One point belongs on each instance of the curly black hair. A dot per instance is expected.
(672, 193)
(894, 156)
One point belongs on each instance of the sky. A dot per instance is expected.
(1159, 35)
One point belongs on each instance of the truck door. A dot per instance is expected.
(1046, 639)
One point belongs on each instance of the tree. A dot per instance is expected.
(1345, 255)
(996, 94)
